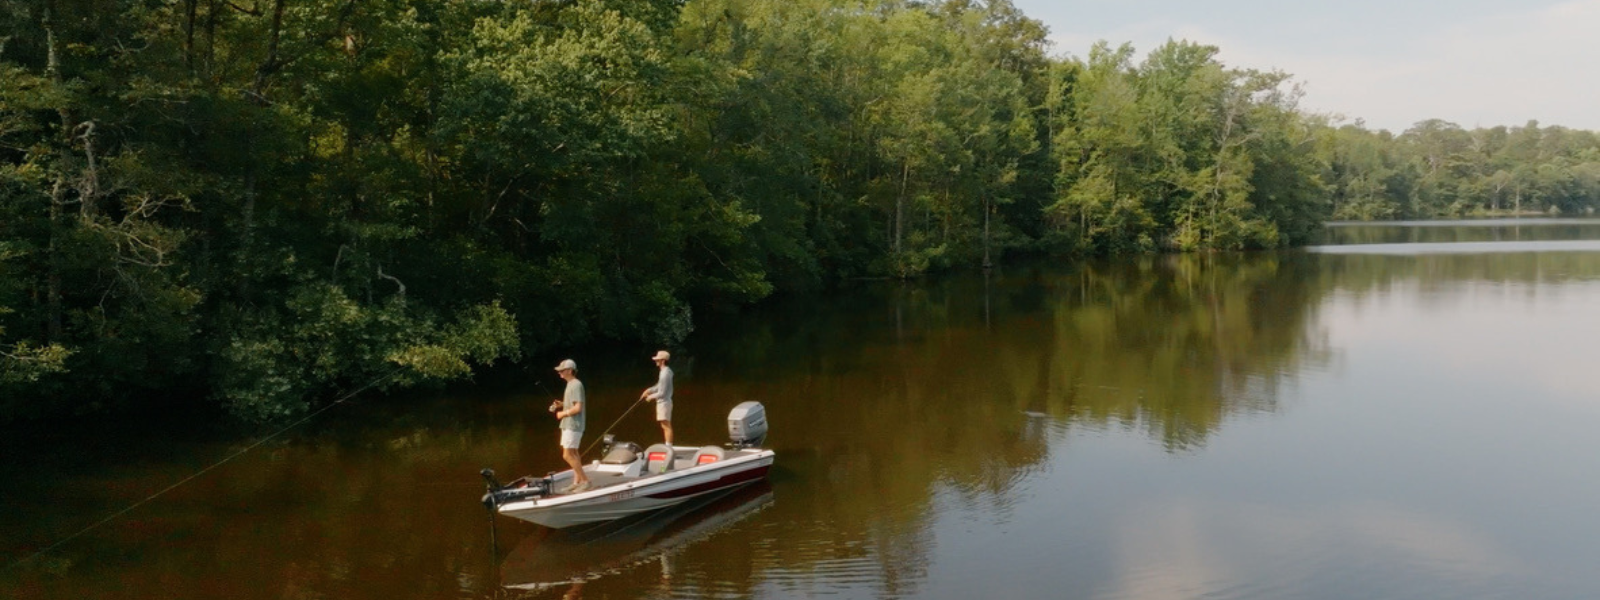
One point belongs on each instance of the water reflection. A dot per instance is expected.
(1417, 249)
(561, 559)
(912, 398)
(1171, 345)
(1233, 426)
(1442, 232)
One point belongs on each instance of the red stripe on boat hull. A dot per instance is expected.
(725, 481)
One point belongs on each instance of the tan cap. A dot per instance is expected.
(661, 355)
(567, 365)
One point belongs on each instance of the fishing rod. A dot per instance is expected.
(602, 437)
(613, 425)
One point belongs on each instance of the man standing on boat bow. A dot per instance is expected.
(570, 410)
(661, 394)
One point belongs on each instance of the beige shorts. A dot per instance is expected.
(570, 439)
(663, 410)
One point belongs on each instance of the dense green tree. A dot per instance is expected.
(264, 204)
(1438, 169)
(1182, 152)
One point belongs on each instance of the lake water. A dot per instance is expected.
(1408, 412)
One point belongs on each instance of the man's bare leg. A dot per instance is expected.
(571, 456)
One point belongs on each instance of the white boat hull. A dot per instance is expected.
(641, 495)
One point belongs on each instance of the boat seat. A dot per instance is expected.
(624, 453)
(707, 455)
(658, 458)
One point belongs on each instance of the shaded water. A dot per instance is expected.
(1324, 424)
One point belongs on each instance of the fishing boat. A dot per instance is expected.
(628, 481)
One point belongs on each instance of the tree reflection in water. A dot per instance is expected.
(887, 398)
(888, 401)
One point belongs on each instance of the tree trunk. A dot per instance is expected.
(53, 279)
(900, 205)
(246, 232)
(52, 67)
(52, 59)
(58, 192)
(986, 263)
(90, 186)
(258, 93)
(190, 7)
(270, 64)
(211, 36)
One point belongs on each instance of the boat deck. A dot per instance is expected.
(682, 458)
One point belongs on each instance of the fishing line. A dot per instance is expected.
(202, 471)
(602, 437)
(597, 440)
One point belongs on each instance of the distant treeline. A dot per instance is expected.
(265, 202)
(1438, 169)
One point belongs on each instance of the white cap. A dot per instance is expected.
(567, 365)
(661, 355)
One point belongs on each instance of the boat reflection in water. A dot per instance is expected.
(555, 558)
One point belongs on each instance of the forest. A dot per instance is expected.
(260, 204)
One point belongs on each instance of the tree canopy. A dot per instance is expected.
(260, 204)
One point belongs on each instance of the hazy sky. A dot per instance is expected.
(1391, 63)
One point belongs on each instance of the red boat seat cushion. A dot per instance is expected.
(658, 458)
(707, 455)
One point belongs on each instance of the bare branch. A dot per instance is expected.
(337, 258)
(396, 280)
(90, 186)
(254, 11)
(145, 206)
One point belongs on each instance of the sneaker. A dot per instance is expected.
(578, 487)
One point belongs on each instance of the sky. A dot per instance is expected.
(1477, 63)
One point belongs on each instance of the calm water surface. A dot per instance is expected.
(1336, 424)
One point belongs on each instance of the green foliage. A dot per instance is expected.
(266, 206)
(1438, 169)
(1179, 152)
(323, 339)
(22, 361)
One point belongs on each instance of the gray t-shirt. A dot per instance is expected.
(662, 391)
(573, 397)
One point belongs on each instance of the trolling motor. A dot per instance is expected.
(497, 494)
(520, 489)
(527, 486)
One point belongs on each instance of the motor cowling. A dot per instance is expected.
(747, 424)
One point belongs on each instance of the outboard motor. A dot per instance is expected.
(747, 424)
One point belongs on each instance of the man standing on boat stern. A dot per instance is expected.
(661, 394)
(570, 410)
